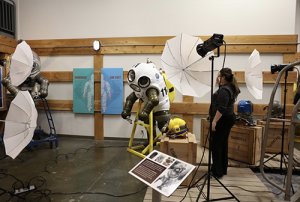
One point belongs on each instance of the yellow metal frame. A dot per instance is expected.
(141, 150)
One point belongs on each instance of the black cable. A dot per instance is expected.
(17, 180)
(98, 193)
(225, 51)
(73, 154)
(38, 181)
(195, 172)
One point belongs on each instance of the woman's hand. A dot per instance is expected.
(213, 126)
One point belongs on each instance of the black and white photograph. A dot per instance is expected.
(172, 177)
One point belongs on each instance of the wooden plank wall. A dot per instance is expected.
(283, 44)
(7, 45)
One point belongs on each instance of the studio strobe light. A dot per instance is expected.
(210, 44)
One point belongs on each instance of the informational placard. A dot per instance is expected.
(162, 172)
(83, 90)
(111, 90)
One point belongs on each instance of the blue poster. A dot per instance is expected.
(83, 90)
(112, 90)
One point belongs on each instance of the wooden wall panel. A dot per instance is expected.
(291, 58)
(7, 44)
(187, 117)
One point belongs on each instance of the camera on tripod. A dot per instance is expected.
(278, 68)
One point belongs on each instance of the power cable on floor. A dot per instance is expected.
(38, 182)
(99, 193)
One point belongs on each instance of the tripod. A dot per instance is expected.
(207, 176)
(282, 155)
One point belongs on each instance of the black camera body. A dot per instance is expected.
(278, 68)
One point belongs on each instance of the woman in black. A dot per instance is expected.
(223, 118)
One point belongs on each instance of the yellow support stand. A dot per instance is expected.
(141, 150)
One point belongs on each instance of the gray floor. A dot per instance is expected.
(80, 169)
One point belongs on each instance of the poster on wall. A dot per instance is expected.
(83, 90)
(112, 90)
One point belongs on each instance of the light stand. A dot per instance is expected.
(207, 176)
(282, 155)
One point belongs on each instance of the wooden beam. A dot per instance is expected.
(176, 107)
(58, 76)
(160, 40)
(67, 76)
(289, 94)
(155, 45)
(57, 105)
(187, 117)
(98, 117)
(268, 77)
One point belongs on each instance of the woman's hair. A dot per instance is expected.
(229, 77)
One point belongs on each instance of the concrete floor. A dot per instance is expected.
(80, 169)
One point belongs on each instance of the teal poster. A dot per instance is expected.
(83, 90)
(112, 90)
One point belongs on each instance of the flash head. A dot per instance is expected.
(210, 44)
(278, 68)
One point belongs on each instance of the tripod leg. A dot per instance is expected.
(202, 186)
(270, 158)
(232, 195)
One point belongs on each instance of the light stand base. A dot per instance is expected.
(206, 176)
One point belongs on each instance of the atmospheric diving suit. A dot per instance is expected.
(149, 86)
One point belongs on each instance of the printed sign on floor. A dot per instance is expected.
(162, 172)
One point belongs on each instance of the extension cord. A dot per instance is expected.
(25, 189)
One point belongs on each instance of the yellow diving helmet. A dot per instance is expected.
(177, 128)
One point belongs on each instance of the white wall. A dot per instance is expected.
(45, 19)
(57, 19)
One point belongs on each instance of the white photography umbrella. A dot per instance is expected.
(185, 68)
(253, 75)
(21, 64)
(20, 124)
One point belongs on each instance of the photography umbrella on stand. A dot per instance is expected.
(189, 65)
(184, 67)
(21, 64)
(253, 75)
(20, 124)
